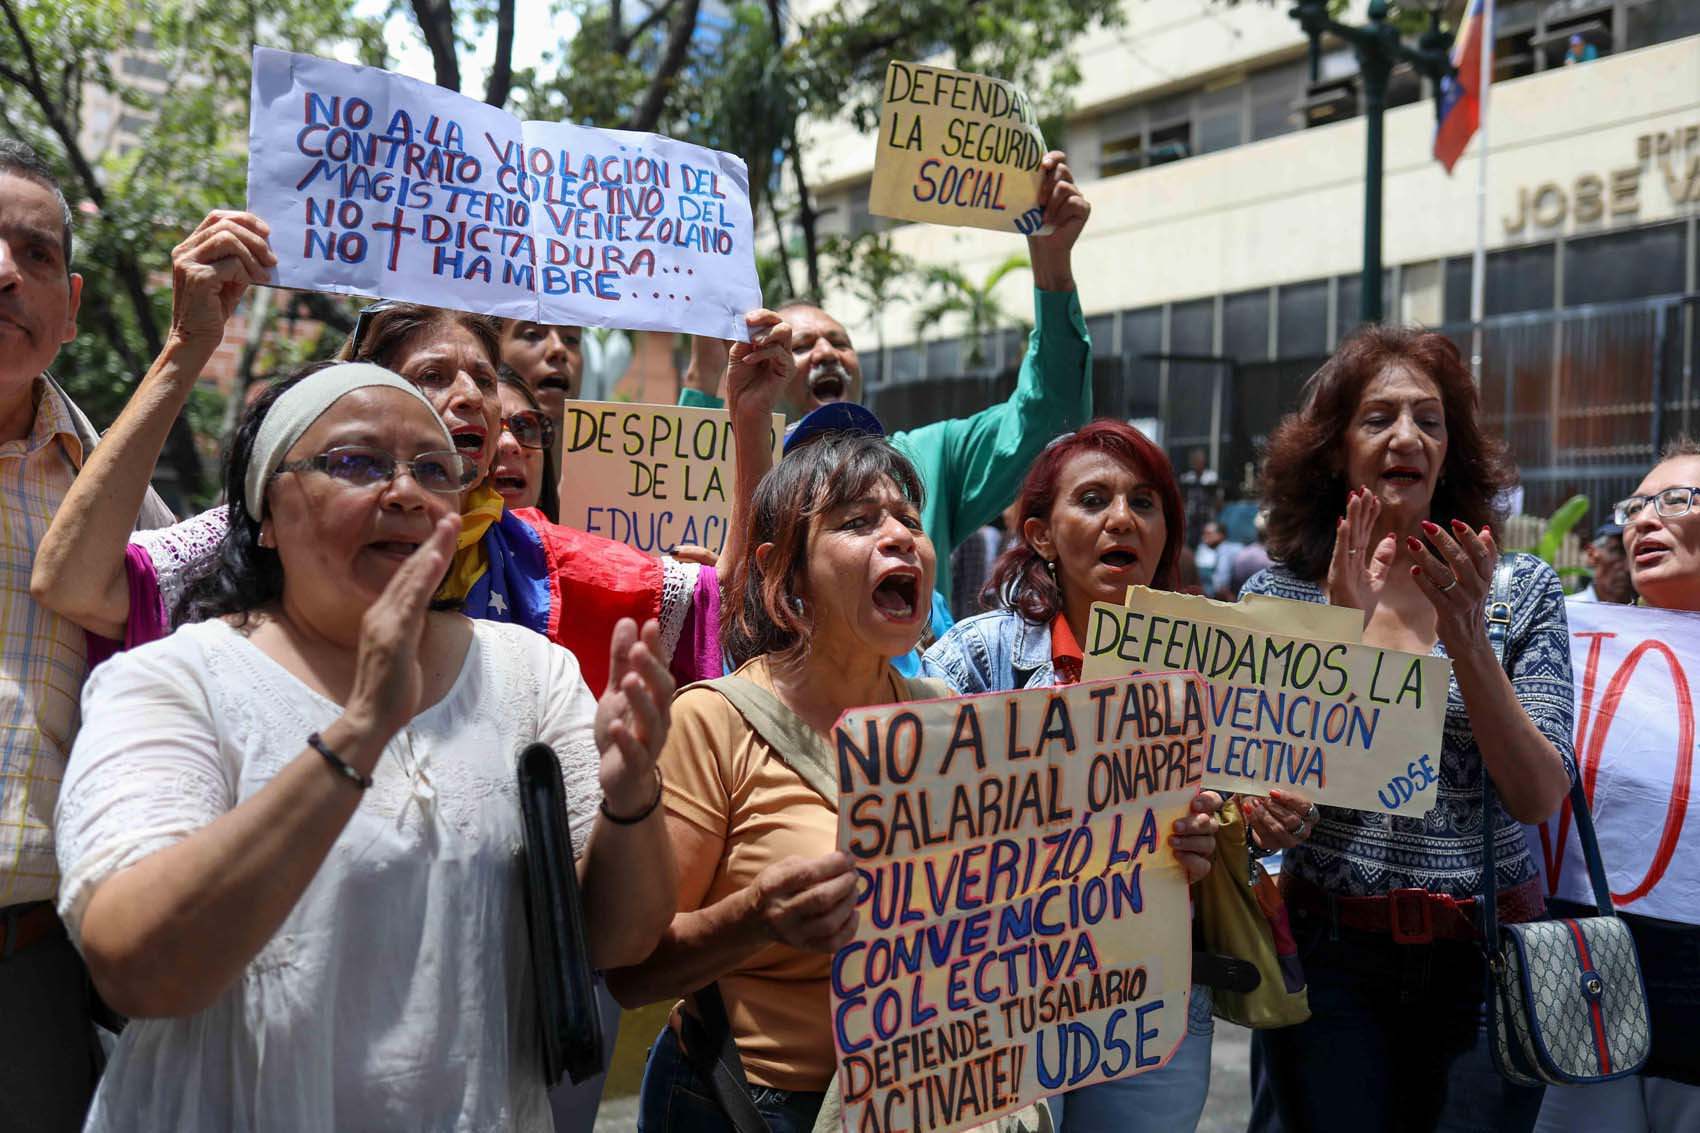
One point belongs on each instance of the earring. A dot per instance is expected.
(1051, 565)
(797, 606)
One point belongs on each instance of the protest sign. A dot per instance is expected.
(1346, 724)
(1636, 673)
(956, 148)
(650, 476)
(1313, 620)
(1024, 927)
(377, 184)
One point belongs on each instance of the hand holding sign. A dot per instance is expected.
(758, 371)
(212, 269)
(807, 903)
(1193, 839)
(1065, 211)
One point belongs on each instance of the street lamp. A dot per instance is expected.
(1379, 48)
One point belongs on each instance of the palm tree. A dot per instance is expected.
(956, 294)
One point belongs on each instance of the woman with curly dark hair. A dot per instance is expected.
(1383, 495)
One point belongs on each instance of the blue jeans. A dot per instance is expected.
(1395, 1042)
(1169, 1099)
(674, 1100)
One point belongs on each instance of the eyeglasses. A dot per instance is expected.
(445, 472)
(1669, 503)
(530, 428)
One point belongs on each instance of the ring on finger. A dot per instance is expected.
(1313, 815)
(1449, 586)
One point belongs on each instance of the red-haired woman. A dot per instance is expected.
(1382, 493)
(1099, 511)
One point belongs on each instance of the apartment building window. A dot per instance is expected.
(1202, 121)
(1123, 149)
(134, 123)
(861, 221)
(905, 363)
(1301, 314)
(1274, 96)
(1142, 340)
(1245, 325)
(139, 67)
(1625, 265)
(944, 358)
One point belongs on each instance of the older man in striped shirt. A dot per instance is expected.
(48, 1053)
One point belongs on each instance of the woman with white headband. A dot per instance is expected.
(289, 835)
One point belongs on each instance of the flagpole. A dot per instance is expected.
(1478, 262)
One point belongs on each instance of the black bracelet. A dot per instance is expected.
(640, 815)
(337, 763)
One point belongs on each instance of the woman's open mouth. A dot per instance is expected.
(468, 439)
(393, 548)
(510, 483)
(896, 596)
(1403, 476)
(1118, 559)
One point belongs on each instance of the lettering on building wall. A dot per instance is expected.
(1667, 159)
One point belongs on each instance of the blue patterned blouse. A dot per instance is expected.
(1357, 853)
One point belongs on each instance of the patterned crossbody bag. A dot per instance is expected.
(1566, 1003)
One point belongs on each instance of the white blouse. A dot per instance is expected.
(397, 994)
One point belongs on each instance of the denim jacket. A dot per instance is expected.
(998, 651)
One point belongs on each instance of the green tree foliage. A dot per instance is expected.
(133, 208)
(746, 77)
(952, 292)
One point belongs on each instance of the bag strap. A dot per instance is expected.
(802, 748)
(1499, 631)
(713, 1055)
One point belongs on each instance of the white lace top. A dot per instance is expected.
(398, 992)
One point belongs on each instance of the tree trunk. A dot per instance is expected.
(672, 58)
(806, 217)
(502, 70)
(436, 20)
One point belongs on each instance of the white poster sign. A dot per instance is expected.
(377, 184)
(1636, 673)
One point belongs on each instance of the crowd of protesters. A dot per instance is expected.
(257, 783)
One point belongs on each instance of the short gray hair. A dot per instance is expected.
(20, 160)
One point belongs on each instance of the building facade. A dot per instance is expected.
(1223, 259)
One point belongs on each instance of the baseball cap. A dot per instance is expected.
(1608, 531)
(835, 417)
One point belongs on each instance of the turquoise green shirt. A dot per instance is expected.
(973, 466)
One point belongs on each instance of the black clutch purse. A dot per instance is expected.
(566, 986)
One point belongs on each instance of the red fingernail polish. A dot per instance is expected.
(1460, 525)
(1431, 528)
(1413, 542)
(1416, 571)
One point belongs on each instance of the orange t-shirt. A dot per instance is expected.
(723, 779)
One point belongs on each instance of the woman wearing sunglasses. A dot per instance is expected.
(506, 566)
(1661, 537)
(287, 833)
(525, 472)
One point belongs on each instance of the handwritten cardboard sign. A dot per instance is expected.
(1024, 928)
(377, 184)
(1636, 672)
(957, 148)
(1347, 724)
(650, 476)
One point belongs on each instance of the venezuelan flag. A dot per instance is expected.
(1460, 100)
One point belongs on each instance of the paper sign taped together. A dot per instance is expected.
(1637, 673)
(957, 148)
(1024, 928)
(1343, 723)
(650, 476)
(377, 184)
